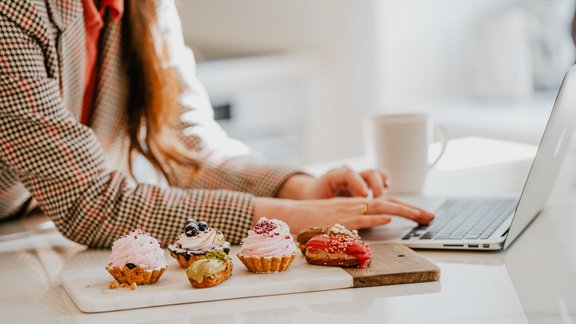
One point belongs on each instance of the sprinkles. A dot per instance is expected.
(340, 244)
(266, 228)
(139, 234)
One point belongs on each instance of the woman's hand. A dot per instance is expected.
(354, 213)
(338, 182)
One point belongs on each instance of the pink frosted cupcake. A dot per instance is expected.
(137, 258)
(268, 248)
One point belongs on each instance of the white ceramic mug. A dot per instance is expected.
(400, 144)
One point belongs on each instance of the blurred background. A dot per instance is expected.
(295, 80)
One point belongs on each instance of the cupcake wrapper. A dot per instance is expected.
(185, 260)
(267, 264)
(140, 275)
(211, 282)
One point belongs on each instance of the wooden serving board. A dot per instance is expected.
(391, 264)
(395, 264)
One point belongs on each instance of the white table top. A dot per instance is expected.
(533, 281)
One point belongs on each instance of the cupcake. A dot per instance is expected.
(268, 248)
(137, 258)
(197, 240)
(210, 269)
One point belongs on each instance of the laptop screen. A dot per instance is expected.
(551, 151)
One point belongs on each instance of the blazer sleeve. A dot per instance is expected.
(61, 163)
(227, 163)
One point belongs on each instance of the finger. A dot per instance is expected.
(391, 208)
(345, 178)
(401, 202)
(366, 221)
(423, 218)
(375, 181)
(385, 177)
(356, 184)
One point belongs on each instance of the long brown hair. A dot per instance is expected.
(153, 107)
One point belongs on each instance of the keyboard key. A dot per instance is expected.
(467, 218)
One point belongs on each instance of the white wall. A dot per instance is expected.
(426, 48)
(335, 38)
(363, 56)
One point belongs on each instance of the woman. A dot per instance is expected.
(90, 89)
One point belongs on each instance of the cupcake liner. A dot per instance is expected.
(185, 260)
(141, 275)
(273, 264)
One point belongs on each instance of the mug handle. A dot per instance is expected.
(438, 130)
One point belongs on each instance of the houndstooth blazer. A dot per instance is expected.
(79, 175)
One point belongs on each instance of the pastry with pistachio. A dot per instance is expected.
(210, 269)
(197, 240)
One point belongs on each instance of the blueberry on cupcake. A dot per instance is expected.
(197, 240)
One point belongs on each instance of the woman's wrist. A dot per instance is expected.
(282, 209)
(271, 208)
(296, 187)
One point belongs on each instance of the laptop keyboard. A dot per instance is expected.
(458, 219)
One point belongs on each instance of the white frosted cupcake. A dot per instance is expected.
(197, 240)
(137, 258)
(268, 248)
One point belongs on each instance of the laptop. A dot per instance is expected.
(494, 223)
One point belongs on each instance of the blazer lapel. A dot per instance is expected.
(63, 12)
(24, 14)
(111, 92)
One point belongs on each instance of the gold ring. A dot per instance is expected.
(364, 208)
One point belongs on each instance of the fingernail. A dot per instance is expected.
(415, 212)
(365, 190)
(369, 194)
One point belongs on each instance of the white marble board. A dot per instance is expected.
(88, 287)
